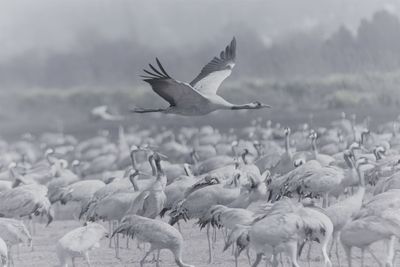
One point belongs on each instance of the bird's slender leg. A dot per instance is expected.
(275, 262)
(127, 241)
(236, 254)
(87, 259)
(362, 257)
(144, 110)
(214, 236)
(347, 249)
(337, 248)
(257, 261)
(324, 247)
(117, 244)
(390, 253)
(73, 261)
(309, 254)
(10, 258)
(292, 251)
(332, 243)
(110, 231)
(158, 258)
(374, 256)
(145, 256)
(248, 254)
(210, 257)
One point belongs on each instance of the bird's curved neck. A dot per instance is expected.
(133, 160)
(161, 175)
(238, 107)
(287, 145)
(361, 178)
(244, 158)
(153, 168)
(134, 183)
(314, 147)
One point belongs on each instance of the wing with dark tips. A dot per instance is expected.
(176, 93)
(216, 71)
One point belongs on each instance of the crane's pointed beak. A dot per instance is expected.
(265, 106)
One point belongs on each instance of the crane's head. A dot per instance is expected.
(313, 135)
(257, 105)
(287, 131)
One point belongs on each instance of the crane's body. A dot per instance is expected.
(198, 97)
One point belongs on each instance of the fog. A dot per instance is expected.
(56, 26)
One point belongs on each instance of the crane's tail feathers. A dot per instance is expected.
(124, 229)
(177, 213)
(240, 235)
(163, 211)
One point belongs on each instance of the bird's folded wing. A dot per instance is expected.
(138, 203)
(216, 71)
(176, 93)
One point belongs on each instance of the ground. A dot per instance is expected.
(195, 252)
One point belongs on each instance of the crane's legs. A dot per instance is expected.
(87, 259)
(362, 257)
(257, 261)
(142, 261)
(347, 249)
(390, 254)
(110, 230)
(292, 251)
(210, 256)
(374, 256)
(116, 243)
(144, 110)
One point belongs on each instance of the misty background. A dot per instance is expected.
(59, 59)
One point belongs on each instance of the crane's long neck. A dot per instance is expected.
(161, 175)
(133, 160)
(153, 168)
(314, 147)
(49, 160)
(134, 182)
(238, 107)
(287, 145)
(244, 157)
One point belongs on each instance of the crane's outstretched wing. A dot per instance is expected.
(216, 71)
(176, 93)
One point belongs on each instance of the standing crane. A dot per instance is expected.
(150, 202)
(199, 97)
(159, 234)
(79, 242)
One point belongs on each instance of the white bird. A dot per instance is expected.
(159, 234)
(200, 96)
(14, 232)
(103, 113)
(79, 242)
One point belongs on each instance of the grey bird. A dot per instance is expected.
(199, 97)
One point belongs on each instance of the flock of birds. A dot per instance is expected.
(264, 189)
(270, 191)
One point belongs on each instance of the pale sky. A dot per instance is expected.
(57, 24)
